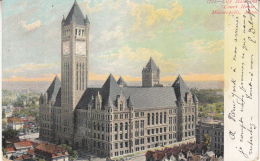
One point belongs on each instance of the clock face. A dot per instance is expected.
(81, 48)
(66, 48)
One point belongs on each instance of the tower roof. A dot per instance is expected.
(180, 87)
(54, 89)
(76, 15)
(130, 102)
(151, 66)
(110, 89)
(121, 82)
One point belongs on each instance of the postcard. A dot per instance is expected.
(138, 80)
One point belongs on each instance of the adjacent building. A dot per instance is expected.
(115, 119)
(15, 123)
(215, 129)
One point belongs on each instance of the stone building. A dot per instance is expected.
(115, 119)
(215, 130)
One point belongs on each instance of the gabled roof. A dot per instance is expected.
(121, 82)
(180, 88)
(23, 144)
(151, 66)
(110, 89)
(54, 89)
(76, 15)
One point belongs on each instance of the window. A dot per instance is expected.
(148, 119)
(157, 118)
(126, 116)
(152, 118)
(126, 135)
(121, 136)
(160, 130)
(126, 126)
(148, 132)
(116, 137)
(126, 144)
(121, 145)
(136, 114)
(161, 118)
(121, 106)
(165, 117)
(121, 116)
(121, 126)
(116, 145)
(76, 32)
(79, 31)
(148, 140)
(116, 126)
(82, 32)
(157, 131)
(164, 129)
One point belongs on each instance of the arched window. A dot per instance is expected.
(116, 126)
(157, 118)
(148, 119)
(152, 118)
(94, 126)
(76, 31)
(98, 126)
(185, 118)
(121, 126)
(189, 118)
(126, 126)
(192, 117)
(102, 126)
(79, 31)
(121, 106)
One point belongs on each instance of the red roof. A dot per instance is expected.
(21, 144)
(10, 149)
(50, 150)
(25, 156)
(30, 152)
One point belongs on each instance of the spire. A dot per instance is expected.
(54, 89)
(151, 66)
(195, 99)
(110, 89)
(130, 102)
(121, 82)
(76, 15)
(180, 88)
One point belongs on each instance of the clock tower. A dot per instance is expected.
(74, 65)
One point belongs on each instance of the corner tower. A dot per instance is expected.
(151, 75)
(74, 63)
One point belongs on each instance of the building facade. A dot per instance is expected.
(216, 132)
(115, 119)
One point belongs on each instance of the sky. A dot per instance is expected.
(182, 36)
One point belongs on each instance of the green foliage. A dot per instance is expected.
(206, 142)
(3, 150)
(4, 102)
(10, 133)
(209, 96)
(18, 103)
(73, 153)
(3, 124)
(3, 114)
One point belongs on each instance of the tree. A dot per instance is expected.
(10, 133)
(3, 113)
(73, 153)
(206, 142)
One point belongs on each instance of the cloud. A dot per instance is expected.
(196, 77)
(210, 48)
(30, 67)
(138, 58)
(94, 76)
(31, 26)
(147, 17)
